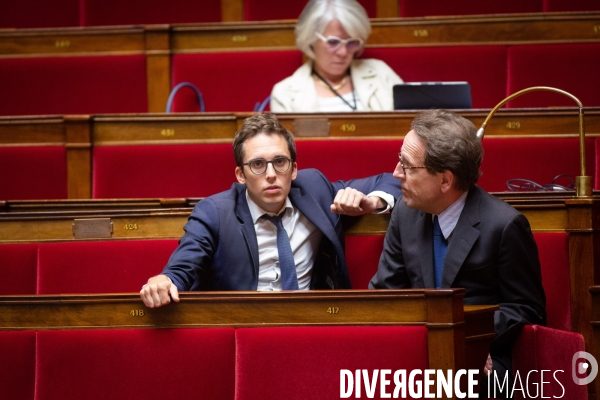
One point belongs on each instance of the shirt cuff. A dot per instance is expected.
(388, 198)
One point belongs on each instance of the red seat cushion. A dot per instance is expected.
(231, 81)
(17, 369)
(162, 170)
(110, 266)
(553, 251)
(348, 159)
(452, 63)
(115, 12)
(33, 173)
(305, 362)
(536, 159)
(39, 14)
(539, 348)
(19, 268)
(262, 10)
(421, 8)
(73, 85)
(136, 364)
(571, 67)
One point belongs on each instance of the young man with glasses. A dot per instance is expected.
(277, 229)
(448, 232)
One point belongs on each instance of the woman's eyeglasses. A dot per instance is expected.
(334, 43)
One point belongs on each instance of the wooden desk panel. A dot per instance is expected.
(458, 336)
(71, 41)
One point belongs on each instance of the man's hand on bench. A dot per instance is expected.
(159, 291)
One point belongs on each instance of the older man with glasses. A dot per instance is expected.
(277, 229)
(448, 232)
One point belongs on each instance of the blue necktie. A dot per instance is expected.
(440, 246)
(289, 279)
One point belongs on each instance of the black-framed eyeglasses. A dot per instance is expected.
(404, 167)
(259, 166)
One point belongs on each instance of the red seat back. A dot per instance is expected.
(231, 81)
(33, 173)
(18, 263)
(571, 5)
(553, 251)
(162, 170)
(131, 12)
(348, 159)
(572, 67)
(315, 356)
(111, 266)
(422, 8)
(17, 369)
(362, 257)
(263, 10)
(123, 364)
(73, 85)
(506, 159)
(484, 67)
(39, 14)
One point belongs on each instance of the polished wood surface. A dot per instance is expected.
(269, 35)
(52, 220)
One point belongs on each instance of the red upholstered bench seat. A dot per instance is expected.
(572, 67)
(110, 266)
(451, 63)
(73, 85)
(133, 12)
(209, 363)
(18, 265)
(231, 81)
(33, 172)
(162, 171)
(136, 363)
(536, 159)
(17, 365)
(100, 266)
(305, 362)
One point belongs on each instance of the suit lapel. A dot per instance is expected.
(308, 206)
(247, 226)
(424, 233)
(463, 238)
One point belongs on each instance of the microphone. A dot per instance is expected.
(583, 183)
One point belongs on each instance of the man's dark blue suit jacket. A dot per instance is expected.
(219, 250)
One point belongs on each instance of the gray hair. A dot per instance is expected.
(318, 13)
(451, 144)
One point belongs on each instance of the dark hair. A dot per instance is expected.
(266, 123)
(451, 144)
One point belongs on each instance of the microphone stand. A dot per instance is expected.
(583, 183)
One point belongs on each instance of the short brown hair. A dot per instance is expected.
(451, 144)
(266, 123)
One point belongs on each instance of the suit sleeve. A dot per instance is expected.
(522, 298)
(384, 182)
(391, 273)
(196, 247)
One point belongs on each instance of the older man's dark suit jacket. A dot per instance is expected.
(219, 250)
(491, 253)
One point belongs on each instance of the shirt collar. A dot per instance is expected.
(258, 212)
(449, 217)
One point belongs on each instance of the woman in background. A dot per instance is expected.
(332, 33)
